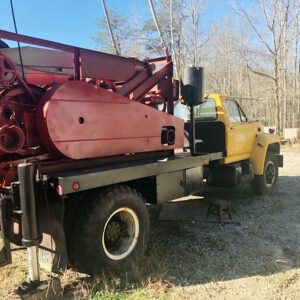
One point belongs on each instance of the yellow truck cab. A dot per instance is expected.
(250, 155)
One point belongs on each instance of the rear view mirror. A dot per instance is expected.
(192, 85)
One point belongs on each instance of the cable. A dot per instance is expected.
(19, 48)
(109, 28)
(157, 25)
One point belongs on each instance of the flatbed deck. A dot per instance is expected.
(93, 177)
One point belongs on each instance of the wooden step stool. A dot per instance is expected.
(219, 208)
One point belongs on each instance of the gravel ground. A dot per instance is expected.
(257, 256)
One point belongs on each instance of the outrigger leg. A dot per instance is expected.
(31, 237)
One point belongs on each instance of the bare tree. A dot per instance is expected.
(195, 35)
(252, 55)
(274, 15)
(296, 63)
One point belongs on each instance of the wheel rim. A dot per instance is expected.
(270, 173)
(120, 233)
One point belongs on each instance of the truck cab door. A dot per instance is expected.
(239, 133)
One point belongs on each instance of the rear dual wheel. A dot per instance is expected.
(112, 232)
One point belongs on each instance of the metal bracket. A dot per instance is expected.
(259, 141)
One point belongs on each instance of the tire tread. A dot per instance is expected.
(86, 229)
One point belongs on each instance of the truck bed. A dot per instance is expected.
(93, 177)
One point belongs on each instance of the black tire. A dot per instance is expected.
(263, 184)
(112, 230)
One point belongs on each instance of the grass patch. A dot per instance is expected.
(12, 275)
(148, 278)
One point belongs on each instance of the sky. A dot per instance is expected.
(71, 21)
(66, 21)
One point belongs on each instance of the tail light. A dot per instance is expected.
(271, 130)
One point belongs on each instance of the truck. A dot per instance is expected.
(88, 140)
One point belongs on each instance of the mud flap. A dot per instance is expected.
(52, 250)
(5, 252)
(279, 160)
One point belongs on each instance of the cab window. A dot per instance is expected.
(235, 113)
(206, 110)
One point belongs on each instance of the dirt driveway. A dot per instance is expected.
(257, 256)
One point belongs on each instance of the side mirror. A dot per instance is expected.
(192, 85)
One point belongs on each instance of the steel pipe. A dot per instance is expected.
(33, 263)
(30, 231)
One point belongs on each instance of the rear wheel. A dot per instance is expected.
(113, 231)
(265, 183)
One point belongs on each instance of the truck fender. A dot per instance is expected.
(262, 143)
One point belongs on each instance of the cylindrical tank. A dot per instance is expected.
(192, 85)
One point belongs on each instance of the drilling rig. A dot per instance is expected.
(88, 138)
(79, 104)
(78, 114)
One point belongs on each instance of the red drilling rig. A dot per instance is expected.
(87, 144)
(78, 104)
(86, 138)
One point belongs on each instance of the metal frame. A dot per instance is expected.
(192, 131)
(29, 219)
(123, 62)
(90, 178)
(134, 75)
(183, 168)
(134, 79)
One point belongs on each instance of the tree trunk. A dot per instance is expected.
(276, 94)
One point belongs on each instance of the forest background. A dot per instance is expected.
(251, 54)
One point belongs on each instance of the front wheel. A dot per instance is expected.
(265, 183)
(113, 231)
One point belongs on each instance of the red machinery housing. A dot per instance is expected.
(80, 104)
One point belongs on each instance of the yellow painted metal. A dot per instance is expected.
(260, 147)
(244, 140)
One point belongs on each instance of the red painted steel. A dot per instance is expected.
(131, 85)
(97, 65)
(107, 108)
(45, 78)
(8, 72)
(91, 60)
(85, 121)
(12, 139)
(140, 91)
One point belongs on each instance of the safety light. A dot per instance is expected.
(59, 190)
(75, 186)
